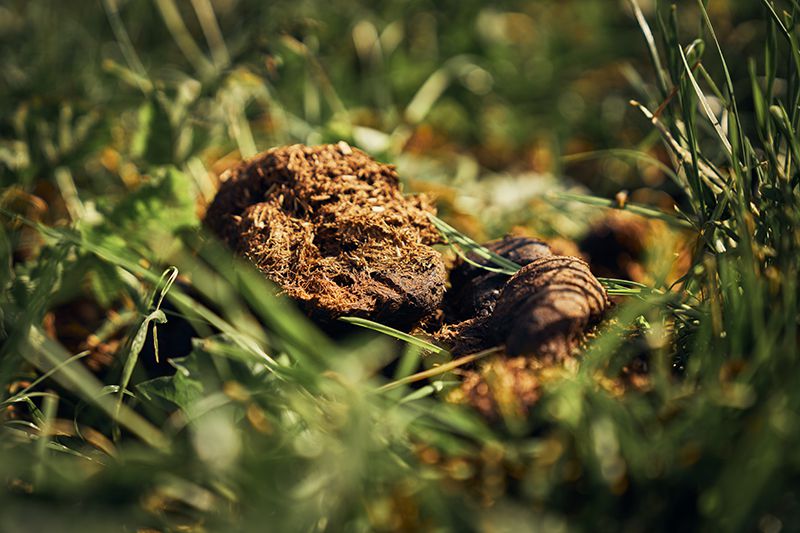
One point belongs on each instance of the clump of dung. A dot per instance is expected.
(542, 311)
(332, 228)
(474, 290)
(547, 306)
(616, 245)
(540, 315)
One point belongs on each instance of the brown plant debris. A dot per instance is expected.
(331, 227)
(502, 386)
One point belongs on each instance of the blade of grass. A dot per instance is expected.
(623, 154)
(177, 27)
(644, 211)
(705, 105)
(454, 236)
(212, 32)
(46, 354)
(441, 369)
(157, 316)
(126, 46)
(386, 330)
(707, 173)
(168, 277)
(783, 122)
(50, 405)
(35, 383)
(651, 48)
(728, 80)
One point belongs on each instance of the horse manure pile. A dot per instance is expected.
(330, 226)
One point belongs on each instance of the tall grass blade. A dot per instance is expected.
(386, 330)
(463, 243)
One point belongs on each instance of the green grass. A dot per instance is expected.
(106, 154)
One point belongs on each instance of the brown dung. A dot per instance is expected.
(331, 227)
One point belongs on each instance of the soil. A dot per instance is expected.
(331, 227)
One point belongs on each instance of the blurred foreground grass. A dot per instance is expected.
(116, 119)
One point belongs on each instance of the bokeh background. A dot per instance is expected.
(475, 102)
(493, 108)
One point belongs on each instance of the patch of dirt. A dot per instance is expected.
(331, 227)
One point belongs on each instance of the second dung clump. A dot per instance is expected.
(541, 311)
(331, 227)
